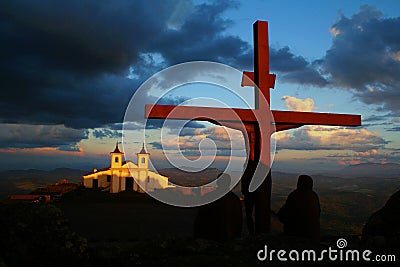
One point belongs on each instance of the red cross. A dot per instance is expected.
(249, 123)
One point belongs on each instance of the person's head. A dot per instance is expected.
(304, 182)
(223, 181)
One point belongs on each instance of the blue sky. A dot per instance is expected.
(69, 71)
(304, 27)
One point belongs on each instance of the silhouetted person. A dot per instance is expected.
(300, 214)
(220, 220)
(383, 227)
(251, 198)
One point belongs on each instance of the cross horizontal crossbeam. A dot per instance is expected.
(248, 115)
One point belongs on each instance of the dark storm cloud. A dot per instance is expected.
(68, 62)
(394, 129)
(365, 57)
(32, 136)
(201, 37)
(377, 118)
(295, 69)
(91, 37)
(307, 76)
(68, 148)
(106, 133)
(173, 125)
(279, 60)
(156, 145)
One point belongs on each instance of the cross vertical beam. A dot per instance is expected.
(261, 61)
(261, 198)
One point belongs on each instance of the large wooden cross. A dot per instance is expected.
(256, 123)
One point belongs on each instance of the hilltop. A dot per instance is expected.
(26, 181)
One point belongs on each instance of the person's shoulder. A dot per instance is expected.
(293, 193)
(314, 193)
(315, 196)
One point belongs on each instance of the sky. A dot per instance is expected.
(69, 69)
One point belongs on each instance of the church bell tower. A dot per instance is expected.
(115, 169)
(143, 158)
(116, 158)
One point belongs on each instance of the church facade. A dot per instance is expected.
(126, 175)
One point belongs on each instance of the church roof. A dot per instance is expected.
(143, 151)
(116, 150)
(105, 169)
(97, 170)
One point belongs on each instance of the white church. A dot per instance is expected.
(126, 175)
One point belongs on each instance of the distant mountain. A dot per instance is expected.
(25, 181)
(54, 175)
(389, 170)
